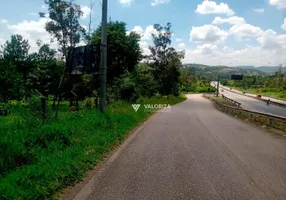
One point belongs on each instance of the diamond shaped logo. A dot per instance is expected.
(136, 107)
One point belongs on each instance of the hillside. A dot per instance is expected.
(223, 71)
(266, 69)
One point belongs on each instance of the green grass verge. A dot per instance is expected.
(39, 159)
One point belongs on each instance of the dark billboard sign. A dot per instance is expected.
(83, 60)
(236, 77)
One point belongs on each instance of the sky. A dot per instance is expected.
(227, 32)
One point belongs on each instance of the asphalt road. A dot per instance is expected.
(253, 104)
(193, 152)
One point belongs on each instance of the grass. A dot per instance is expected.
(39, 159)
(267, 92)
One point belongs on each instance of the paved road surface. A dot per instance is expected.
(263, 97)
(253, 104)
(194, 152)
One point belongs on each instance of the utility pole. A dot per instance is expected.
(103, 58)
(217, 89)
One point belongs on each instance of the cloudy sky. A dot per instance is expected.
(227, 32)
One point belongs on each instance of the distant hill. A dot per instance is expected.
(223, 71)
(266, 69)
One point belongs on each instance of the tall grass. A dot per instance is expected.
(38, 159)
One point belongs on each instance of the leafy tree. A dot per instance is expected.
(165, 61)
(123, 50)
(15, 67)
(144, 82)
(64, 24)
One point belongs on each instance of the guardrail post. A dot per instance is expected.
(270, 121)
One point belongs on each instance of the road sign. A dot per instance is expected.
(236, 77)
(84, 60)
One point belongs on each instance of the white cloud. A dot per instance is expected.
(138, 29)
(239, 27)
(208, 34)
(255, 56)
(125, 2)
(270, 51)
(179, 40)
(145, 35)
(182, 45)
(86, 11)
(32, 30)
(157, 2)
(148, 33)
(210, 7)
(245, 30)
(270, 40)
(280, 4)
(259, 10)
(283, 26)
(3, 21)
(230, 20)
(205, 49)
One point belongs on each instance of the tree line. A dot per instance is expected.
(130, 74)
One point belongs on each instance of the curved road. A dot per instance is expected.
(253, 104)
(193, 152)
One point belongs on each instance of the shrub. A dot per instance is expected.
(87, 103)
(4, 109)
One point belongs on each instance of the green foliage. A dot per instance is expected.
(64, 24)
(165, 61)
(144, 82)
(4, 109)
(88, 103)
(123, 51)
(38, 160)
(191, 82)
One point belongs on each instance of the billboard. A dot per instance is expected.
(83, 60)
(236, 77)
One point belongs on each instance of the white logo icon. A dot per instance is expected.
(136, 107)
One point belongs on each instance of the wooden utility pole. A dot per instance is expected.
(217, 90)
(279, 75)
(103, 58)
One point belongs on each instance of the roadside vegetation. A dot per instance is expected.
(42, 154)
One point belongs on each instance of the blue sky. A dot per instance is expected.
(227, 32)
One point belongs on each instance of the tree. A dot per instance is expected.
(165, 61)
(47, 70)
(64, 24)
(144, 82)
(16, 65)
(123, 50)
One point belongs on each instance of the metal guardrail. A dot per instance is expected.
(264, 100)
(231, 101)
(271, 119)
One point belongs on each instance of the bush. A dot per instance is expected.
(87, 103)
(4, 109)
